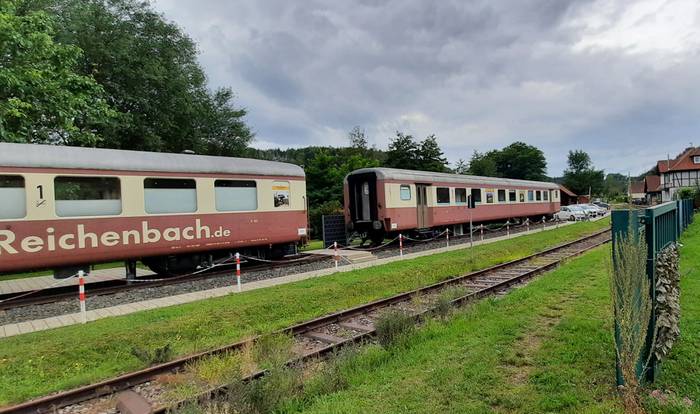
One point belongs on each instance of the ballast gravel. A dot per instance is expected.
(33, 312)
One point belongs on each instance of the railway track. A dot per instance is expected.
(322, 335)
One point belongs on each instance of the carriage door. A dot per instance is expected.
(364, 199)
(422, 205)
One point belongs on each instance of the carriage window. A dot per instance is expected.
(556, 193)
(443, 195)
(489, 196)
(232, 195)
(522, 196)
(511, 196)
(461, 195)
(476, 195)
(280, 193)
(538, 195)
(530, 195)
(405, 192)
(545, 195)
(13, 196)
(501, 196)
(170, 195)
(87, 196)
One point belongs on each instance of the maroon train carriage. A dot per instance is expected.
(64, 208)
(385, 201)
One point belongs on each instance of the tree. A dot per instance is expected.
(581, 177)
(149, 70)
(462, 167)
(43, 98)
(484, 164)
(430, 156)
(357, 138)
(403, 152)
(521, 161)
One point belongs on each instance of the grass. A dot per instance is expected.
(39, 363)
(312, 245)
(547, 347)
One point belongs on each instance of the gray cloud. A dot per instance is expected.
(615, 78)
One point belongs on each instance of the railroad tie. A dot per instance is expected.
(320, 336)
(356, 326)
(130, 402)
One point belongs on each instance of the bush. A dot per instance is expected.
(153, 357)
(393, 325)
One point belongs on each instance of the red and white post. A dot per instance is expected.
(508, 228)
(401, 245)
(481, 230)
(527, 223)
(448, 237)
(335, 253)
(81, 295)
(238, 271)
(544, 223)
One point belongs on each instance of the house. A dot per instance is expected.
(682, 171)
(636, 193)
(568, 197)
(652, 188)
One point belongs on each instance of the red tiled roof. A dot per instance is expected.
(566, 191)
(636, 187)
(653, 183)
(683, 162)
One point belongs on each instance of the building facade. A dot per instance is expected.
(683, 171)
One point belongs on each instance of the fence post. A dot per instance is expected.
(335, 253)
(544, 223)
(238, 271)
(448, 237)
(508, 228)
(81, 295)
(482, 232)
(401, 245)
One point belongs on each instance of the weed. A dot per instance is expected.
(158, 355)
(443, 304)
(392, 325)
(272, 351)
(331, 377)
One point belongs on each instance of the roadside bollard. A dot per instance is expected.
(401, 245)
(544, 223)
(238, 271)
(527, 224)
(81, 295)
(335, 254)
(448, 237)
(508, 228)
(481, 229)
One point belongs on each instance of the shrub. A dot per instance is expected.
(153, 357)
(392, 325)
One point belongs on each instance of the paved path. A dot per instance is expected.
(91, 315)
(42, 282)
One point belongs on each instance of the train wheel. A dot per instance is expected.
(377, 237)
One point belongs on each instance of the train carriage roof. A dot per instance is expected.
(430, 177)
(54, 156)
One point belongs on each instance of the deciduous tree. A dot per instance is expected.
(581, 177)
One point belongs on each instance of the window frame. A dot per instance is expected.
(403, 187)
(437, 196)
(56, 199)
(504, 192)
(216, 199)
(538, 195)
(530, 195)
(696, 159)
(466, 196)
(195, 188)
(23, 187)
(492, 199)
(512, 196)
(545, 195)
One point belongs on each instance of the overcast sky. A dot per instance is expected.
(619, 79)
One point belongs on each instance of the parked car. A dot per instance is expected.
(601, 204)
(567, 213)
(590, 210)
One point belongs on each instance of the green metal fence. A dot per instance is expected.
(659, 226)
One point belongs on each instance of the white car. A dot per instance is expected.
(570, 213)
(591, 210)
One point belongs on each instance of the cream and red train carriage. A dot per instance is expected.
(65, 207)
(382, 201)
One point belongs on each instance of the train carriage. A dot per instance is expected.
(65, 207)
(382, 201)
